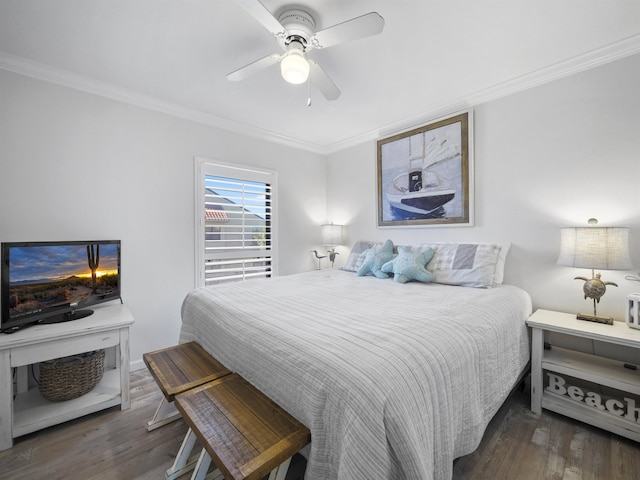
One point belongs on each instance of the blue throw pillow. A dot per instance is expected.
(375, 258)
(410, 265)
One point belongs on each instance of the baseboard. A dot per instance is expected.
(136, 365)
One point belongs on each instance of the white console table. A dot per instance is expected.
(22, 409)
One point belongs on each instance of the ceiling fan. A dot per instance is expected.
(294, 29)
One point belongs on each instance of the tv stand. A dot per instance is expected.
(67, 317)
(23, 410)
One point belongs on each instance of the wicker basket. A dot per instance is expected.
(71, 377)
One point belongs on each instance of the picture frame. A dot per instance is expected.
(425, 175)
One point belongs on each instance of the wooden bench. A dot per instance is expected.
(245, 433)
(177, 369)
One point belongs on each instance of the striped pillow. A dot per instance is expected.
(357, 254)
(467, 264)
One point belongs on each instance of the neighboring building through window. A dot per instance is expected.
(235, 224)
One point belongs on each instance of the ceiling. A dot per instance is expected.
(433, 57)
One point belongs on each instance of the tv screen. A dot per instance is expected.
(50, 282)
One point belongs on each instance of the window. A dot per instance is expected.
(235, 223)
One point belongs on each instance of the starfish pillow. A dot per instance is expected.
(410, 265)
(375, 258)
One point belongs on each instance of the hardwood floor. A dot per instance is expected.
(115, 445)
(520, 445)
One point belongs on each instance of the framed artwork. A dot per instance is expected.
(425, 175)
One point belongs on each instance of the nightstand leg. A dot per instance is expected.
(537, 350)
(6, 400)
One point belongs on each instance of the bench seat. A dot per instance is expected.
(245, 433)
(178, 369)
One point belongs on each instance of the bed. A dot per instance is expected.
(394, 380)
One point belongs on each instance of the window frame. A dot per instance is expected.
(204, 167)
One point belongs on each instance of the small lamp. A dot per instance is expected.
(605, 248)
(331, 236)
(294, 67)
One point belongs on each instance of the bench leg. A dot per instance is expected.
(165, 413)
(280, 472)
(200, 472)
(183, 464)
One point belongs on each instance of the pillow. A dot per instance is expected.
(410, 265)
(467, 264)
(375, 258)
(502, 259)
(357, 254)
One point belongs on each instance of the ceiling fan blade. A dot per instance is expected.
(321, 80)
(260, 13)
(359, 27)
(254, 67)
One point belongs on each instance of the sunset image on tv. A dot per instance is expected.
(46, 276)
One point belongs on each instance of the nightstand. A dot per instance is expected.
(613, 403)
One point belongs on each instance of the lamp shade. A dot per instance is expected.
(331, 234)
(602, 248)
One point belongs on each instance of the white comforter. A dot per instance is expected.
(394, 380)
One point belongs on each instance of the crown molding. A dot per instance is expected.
(609, 53)
(68, 79)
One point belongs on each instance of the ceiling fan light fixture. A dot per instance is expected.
(294, 65)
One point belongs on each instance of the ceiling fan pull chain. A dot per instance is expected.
(308, 92)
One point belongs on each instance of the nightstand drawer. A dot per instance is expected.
(29, 354)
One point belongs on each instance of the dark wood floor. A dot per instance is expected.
(115, 445)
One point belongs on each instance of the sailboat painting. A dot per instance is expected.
(424, 175)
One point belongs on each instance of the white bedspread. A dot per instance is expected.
(394, 380)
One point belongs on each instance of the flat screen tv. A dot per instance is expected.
(51, 282)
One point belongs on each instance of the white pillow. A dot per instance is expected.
(357, 254)
(467, 264)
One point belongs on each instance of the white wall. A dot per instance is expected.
(82, 167)
(548, 157)
(78, 166)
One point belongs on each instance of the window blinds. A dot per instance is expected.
(237, 229)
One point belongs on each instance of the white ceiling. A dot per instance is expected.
(433, 57)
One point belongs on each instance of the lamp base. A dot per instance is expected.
(593, 318)
(332, 255)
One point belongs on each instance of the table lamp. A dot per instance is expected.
(602, 248)
(331, 236)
